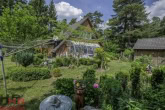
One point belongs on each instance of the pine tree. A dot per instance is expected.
(40, 7)
(73, 20)
(52, 16)
(95, 18)
(130, 17)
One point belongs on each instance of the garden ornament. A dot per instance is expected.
(56, 102)
(79, 94)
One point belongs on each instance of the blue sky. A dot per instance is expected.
(78, 8)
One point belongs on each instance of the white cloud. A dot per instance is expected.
(104, 25)
(66, 11)
(156, 9)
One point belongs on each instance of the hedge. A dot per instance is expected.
(28, 74)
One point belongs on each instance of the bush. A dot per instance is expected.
(86, 61)
(158, 77)
(123, 79)
(89, 74)
(62, 61)
(28, 74)
(37, 61)
(64, 86)
(56, 72)
(58, 62)
(111, 92)
(40, 55)
(135, 81)
(91, 93)
(66, 61)
(25, 58)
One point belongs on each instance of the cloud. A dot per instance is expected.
(66, 11)
(156, 9)
(104, 25)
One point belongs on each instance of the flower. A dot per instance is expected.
(96, 85)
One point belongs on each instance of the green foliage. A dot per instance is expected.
(109, 46)
(91, 93)
(144, 59)
(64, 86)
(111, 92)
(154, 99)
(135, 81)
(89, 74)
(20, 26)
(62, 61)
(28, 74)
(126, 25)
(25, 58)
(73, 20)
(56, 72)
(95, 18)
(128, 52)
(101, 57)
(38, 58)
(158, 77)
(123, 78)
(86, 61)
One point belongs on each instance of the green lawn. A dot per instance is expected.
(35, 91)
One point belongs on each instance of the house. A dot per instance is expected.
(151, 46)
(77, 46)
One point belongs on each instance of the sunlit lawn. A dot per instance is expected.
(35, 91)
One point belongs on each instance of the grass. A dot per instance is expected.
(34, 92)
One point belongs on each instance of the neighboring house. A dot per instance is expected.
(151, 46)
(77, 46)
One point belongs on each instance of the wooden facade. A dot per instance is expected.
(154, 47)
(158, 56)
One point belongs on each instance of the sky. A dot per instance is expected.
(68, 9)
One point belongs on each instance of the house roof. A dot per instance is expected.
(74, 26)
(150, 44)
(77, 24)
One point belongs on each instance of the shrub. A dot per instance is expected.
(37, 61)
(91, 93)
(86, 61)
(144, 59)
(28, 74)
(158, 77)
(64, 86)
(111, 92)
(25, 58)
(39, 55)
(135, 81)
(89, 74)
(62, 61)
(66, 61)
(128, 52)
(56, 72)
(58, 62)
(123, 79)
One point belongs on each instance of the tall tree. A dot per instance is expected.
(52, 16)
(73, 20)
(40, 7)
(20, 26)
(162, 25)
(130, 17)
(95, 18)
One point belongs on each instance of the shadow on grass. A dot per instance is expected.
(35, 103)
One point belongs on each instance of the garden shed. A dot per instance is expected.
(154, 47)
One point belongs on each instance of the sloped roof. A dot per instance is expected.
(77, 24)
(150, 44)
(74, 27)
